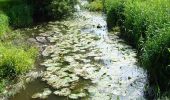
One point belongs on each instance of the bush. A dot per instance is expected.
(18, 11)
(23, 13)
(146, 25)
(156, 58)
(15, 60)
(144, 18)
(96, 5)
(2, 85)
(3, 23)
(114, 9)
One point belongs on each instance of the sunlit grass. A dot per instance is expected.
(146, 25)
(96, 5)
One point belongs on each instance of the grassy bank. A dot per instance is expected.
(16, 55)
(15, 59)
(95, 5)
(145, 24)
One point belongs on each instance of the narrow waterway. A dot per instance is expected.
(83, 61)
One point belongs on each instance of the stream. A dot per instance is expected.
(81, 60)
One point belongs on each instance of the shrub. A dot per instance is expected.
(52, 9)
(114, 9)
(156, 58)
(2, 85)
(96, 5)
(18, 11)
(23, 13)
(15, 60)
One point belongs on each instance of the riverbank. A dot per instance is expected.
(18, 56)
(145, 25)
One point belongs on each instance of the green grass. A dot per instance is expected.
(15, 60)
(145, 24)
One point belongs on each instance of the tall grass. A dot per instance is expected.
(146, 25)
(144, 18)
(15, 60)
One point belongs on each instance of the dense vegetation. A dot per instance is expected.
(51, 9)
(145, 24)
(95, 5)
(16, 56)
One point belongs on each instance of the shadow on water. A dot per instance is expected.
(37, 86)
(32, 88)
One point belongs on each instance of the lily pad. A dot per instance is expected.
(63, 92)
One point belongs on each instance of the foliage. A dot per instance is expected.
(155, 57)
(15, 60)
(114, 9)
(96, 5)
(144, 18)
(146, 25)
(17, 57)
(52, 9)
(23, 13)
(60, 8)
(20, 15)
(2, 85)
(18, 12)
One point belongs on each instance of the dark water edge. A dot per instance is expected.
(38, 86)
